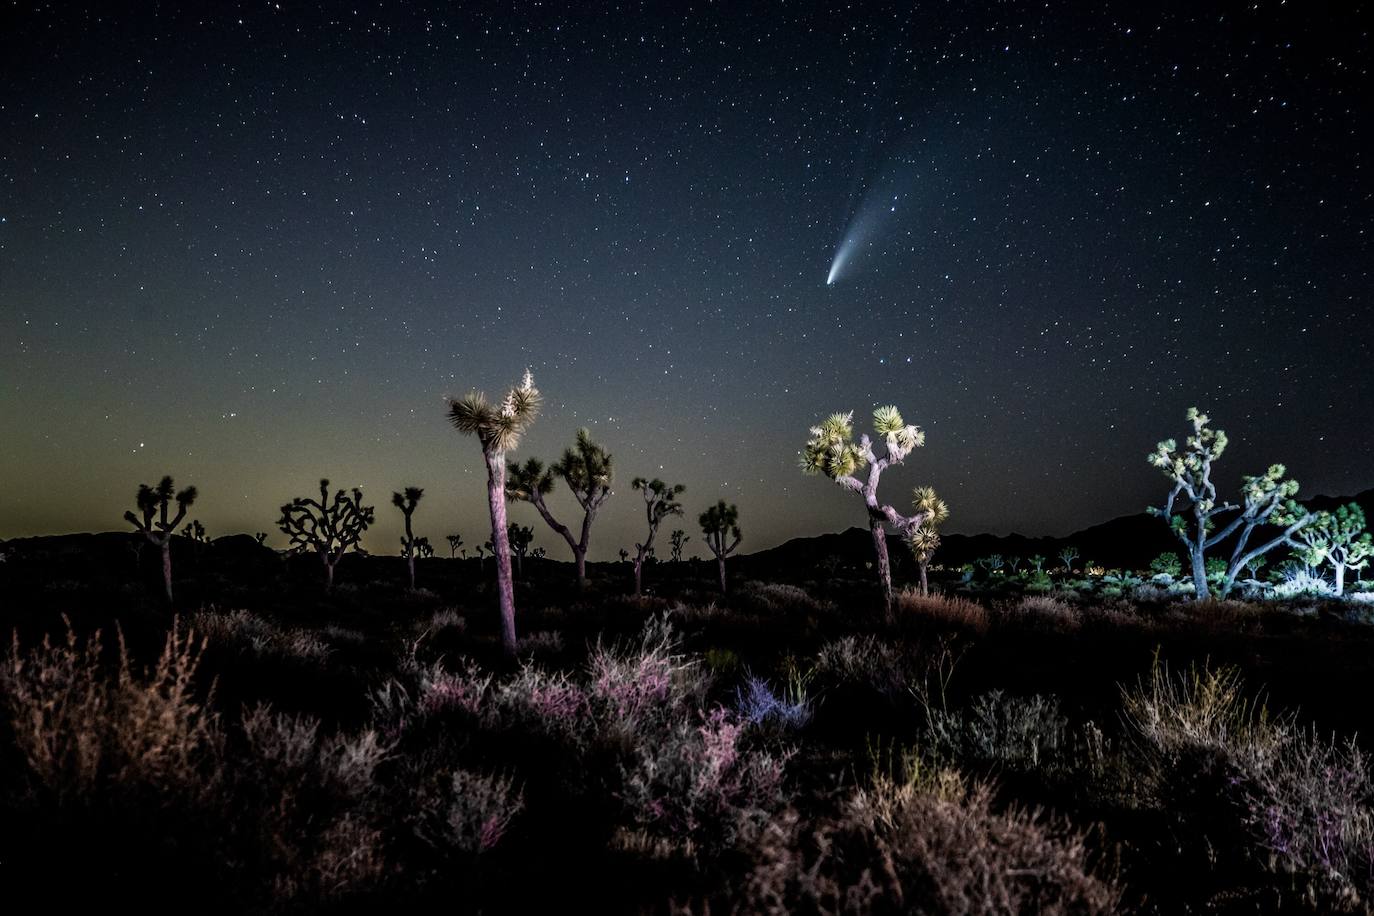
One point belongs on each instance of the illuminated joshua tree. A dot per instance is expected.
(1337, 538)
(406, 501)
(454, 542)
(832, 451)
(1267, 500)
(498, 428)
(329, 527)
(586, 469)
(660, 501)
(520, 538)
(924, 540)
(1067, 556)
(678, 539)
(152, 521)
(716, 523)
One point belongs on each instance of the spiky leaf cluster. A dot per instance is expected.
(587, 468)
(831, 450)
(327, 526)
(154, 503)
(524, 481)
(497, 426)
(659, 497)
(407, 499)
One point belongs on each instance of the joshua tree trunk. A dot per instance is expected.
(1200, 590)
(410, 552)
(875, 524)
(328, 572)
(720, 563)
(167, 567)
(496, 498)
(578, 548)
(1340, 579)
(925, 585)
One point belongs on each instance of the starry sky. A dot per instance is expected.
(257, 245)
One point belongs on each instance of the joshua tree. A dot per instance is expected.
(260, 537)
(924, 540)
(498, 427)
(1067, 556)
(1013, 563)
(152, 522)
(194, 531)
(716, 523)
(520, 538)
(481, 555)
(993, 564)
(660, 501)
(678, 539)
(624, 555)
(454, 542)
(586, 468)
(1337, 538)
(1267, 500)
(832, 451)
(423, 549)
(406, 501)
(328, 527)
(1038, 562)
(539, 553)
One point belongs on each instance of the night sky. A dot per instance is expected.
(257, 246)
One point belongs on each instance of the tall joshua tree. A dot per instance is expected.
(1193, 513)
(678, 539)
(716, 523)
(152, 521)
(454, 542)
(329, 527)
(924, 539)
(660, 501)
(406, 501)
(832, 451)
(586, 468)
(498, 428)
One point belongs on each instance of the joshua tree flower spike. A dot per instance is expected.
(498, 428)
(716, 522)
(832, 451)
(153, 503)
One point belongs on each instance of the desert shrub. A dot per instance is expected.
(1019, 732)
(632, 681)
(697, 785)
(464, 812)
(310, 799)
(548, 703)
(446, 618)
(86, 732)
(898, 847)
(721, 660)
(1043, 611)
(254, 635)
(542, 644)
(863, 661)
(789, 708)
(775, 598)
(947, 610)
(464, 689)
(1303, 584)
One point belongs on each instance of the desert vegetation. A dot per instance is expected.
(991, 734)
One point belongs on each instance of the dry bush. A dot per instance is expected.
(1027, 733)
(85, 730)
(775, 597)
(949, 610)
(864, 661)
(1044, 612)
(899, 847)
(464, 812)
(255, 635)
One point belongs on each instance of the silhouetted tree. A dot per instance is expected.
(520, 537)
(1267, 500)
(260, 537)
(423, 549)
(586, 468)
(406, 501)
(624, 555)
(152, 521)
(498, 428)
(194, 531)
(660, 501)
(678, 539)
(327, 526)
(924, 539)
(832, 451)
(539, 553)
(455, 541)
(716, 523)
